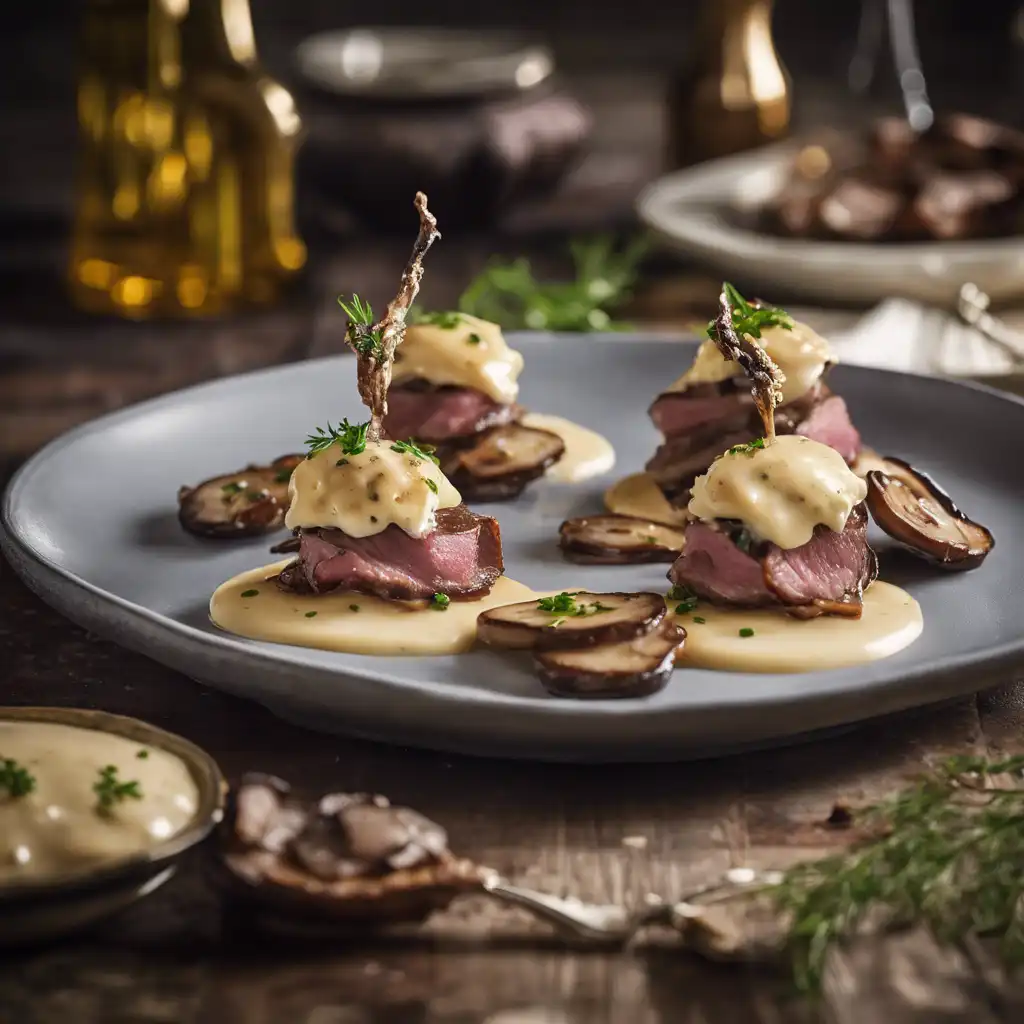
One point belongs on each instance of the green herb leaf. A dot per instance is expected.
(111, 791)
(430, 483)
(310, 615)
(700, 621)
(750, 319)
(560, 603)
(424, 451)
(350, 436)
(686, 606)
(353, 607)
(507, 293)
(233, 488)
(142, 754)
(249, 593)
(746, 631)
(361, 333)
(440, 602)
(283, 476)
(473, 339)
(744, 540)
(15, 779)
(447, 319)
(746, 449)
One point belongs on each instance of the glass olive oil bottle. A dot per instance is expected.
(184, 201)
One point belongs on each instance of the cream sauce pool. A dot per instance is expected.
(252, 605)
(57, 828)
(639, 495)
(587, 454)
(891, 621)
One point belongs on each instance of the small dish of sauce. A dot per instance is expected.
(72, 799)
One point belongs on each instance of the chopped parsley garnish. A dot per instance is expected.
(142, 754)
(341, 462)
(447, 319)
(249, 593)
(430, 483)
(361, 333)
(700, 621)
(474, 339)
(283, 476)
(746, 631)
(310, 615)
(353, 607)
(749, 319)
(651, 540)
(687, 599)
(233, 488)
(110, 790)
(746, 449)
(440, 602)
(350, 436)
(15, 779)
(422, 451)
(564, 605)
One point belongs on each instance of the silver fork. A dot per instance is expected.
(612, 924)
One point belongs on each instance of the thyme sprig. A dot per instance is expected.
(418, 451)
(351, 437)
(947, 853)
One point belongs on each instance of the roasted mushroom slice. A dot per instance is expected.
(631, 668)
(244, 504)
(346, 858)
(571, 620)
(618, 540)
(914, 510)
(502, 462)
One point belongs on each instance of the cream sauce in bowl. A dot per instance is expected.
(70, 820)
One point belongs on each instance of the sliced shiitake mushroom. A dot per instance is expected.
(244, 504)
(502, 462)
(580, 620)
(631, 668)
(910, 507)
(618, 540)
(345, 858)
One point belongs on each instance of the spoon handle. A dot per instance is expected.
(972, 307)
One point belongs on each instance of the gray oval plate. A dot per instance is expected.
(90, 524)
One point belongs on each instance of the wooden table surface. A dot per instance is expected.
(610, 834)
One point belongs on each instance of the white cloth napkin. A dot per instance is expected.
(903, 335)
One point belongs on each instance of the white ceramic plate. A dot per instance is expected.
(694, 212)
(90, 523)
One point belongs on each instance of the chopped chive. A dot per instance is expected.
(441, 602)
(686, 606)
(342, 462)
(310, 615)
(746, 631)
(353, 607)
(474, 339)
(700, 621)
(249, 593)
(430, 483)
(142, 754)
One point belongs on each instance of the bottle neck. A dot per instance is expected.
(220, 31)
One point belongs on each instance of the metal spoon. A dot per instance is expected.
(972, 307)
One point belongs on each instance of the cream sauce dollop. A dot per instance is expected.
(472, 353)
(253, 606)
(56, 828)
(781, 491)
(366, 493)
(587, 454)
(800, 353)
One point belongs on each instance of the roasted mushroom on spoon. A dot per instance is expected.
(346, 858)
(910, 507)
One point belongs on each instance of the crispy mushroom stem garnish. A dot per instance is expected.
(345, 857)
(375, 344)
(767, 379)
(914, 510)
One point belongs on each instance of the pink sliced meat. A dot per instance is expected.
(442, 414)
(461, 558)
(829, 422)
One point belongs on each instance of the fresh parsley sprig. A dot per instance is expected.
(750, 319)
(351, 437)
(361, 332)
(17, 780)
(746, 449)
(565, 605)
(111, 790)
